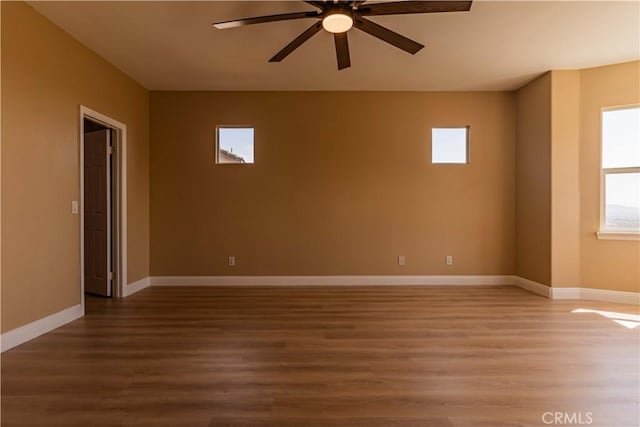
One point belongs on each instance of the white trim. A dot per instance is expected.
(564, 293)
(25, 333)
(121, 189)
(327, 280)
(610, 296)
(618, 235)
(137, 286)
(531, 286)
(577, 293)
(110, 228)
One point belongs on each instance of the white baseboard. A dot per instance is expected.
(610, 296)
(327, 280)
(25, 333)
(531, 286)
(32, 330)
(578, 293)
(565, 293)
(137, 286)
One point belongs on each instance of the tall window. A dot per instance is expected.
(620, 210)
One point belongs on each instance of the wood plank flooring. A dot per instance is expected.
(318, 356)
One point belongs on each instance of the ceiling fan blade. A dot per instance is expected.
(342, 50)
(387, 35)
(404, 7)
(263, 19)
(297, 42)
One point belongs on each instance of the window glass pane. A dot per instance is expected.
(622, 204)
(449, 145)
(621, 138)
(235, 145)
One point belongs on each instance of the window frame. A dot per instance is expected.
(467, 129)
(216, 147)
(605, 233)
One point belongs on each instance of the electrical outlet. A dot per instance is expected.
(400, 260)
(449, 260)
(232, 261)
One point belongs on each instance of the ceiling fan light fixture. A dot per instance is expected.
(338, 22)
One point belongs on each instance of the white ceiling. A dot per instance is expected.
(496, 46)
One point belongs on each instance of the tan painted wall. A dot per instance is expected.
(558, 180)
(565, 178)
(533, 180)
(342, 184)
(46, 75)
(605, 264)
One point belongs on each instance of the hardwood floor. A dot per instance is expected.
(317, 356)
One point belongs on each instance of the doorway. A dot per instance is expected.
(102, 208)
(97, 210)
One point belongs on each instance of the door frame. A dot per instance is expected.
(119, 190)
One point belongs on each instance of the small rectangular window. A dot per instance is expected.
(450, 145)
(620, 170)
(234, 144)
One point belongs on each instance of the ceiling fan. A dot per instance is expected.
(339, 16)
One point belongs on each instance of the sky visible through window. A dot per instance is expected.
(238, 141)
(621, 149)
(449, 145)
(621, 138)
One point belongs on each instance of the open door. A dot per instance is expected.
(97, 212)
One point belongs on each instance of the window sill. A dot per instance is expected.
(618, 235)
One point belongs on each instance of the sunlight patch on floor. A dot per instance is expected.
(629, 321)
